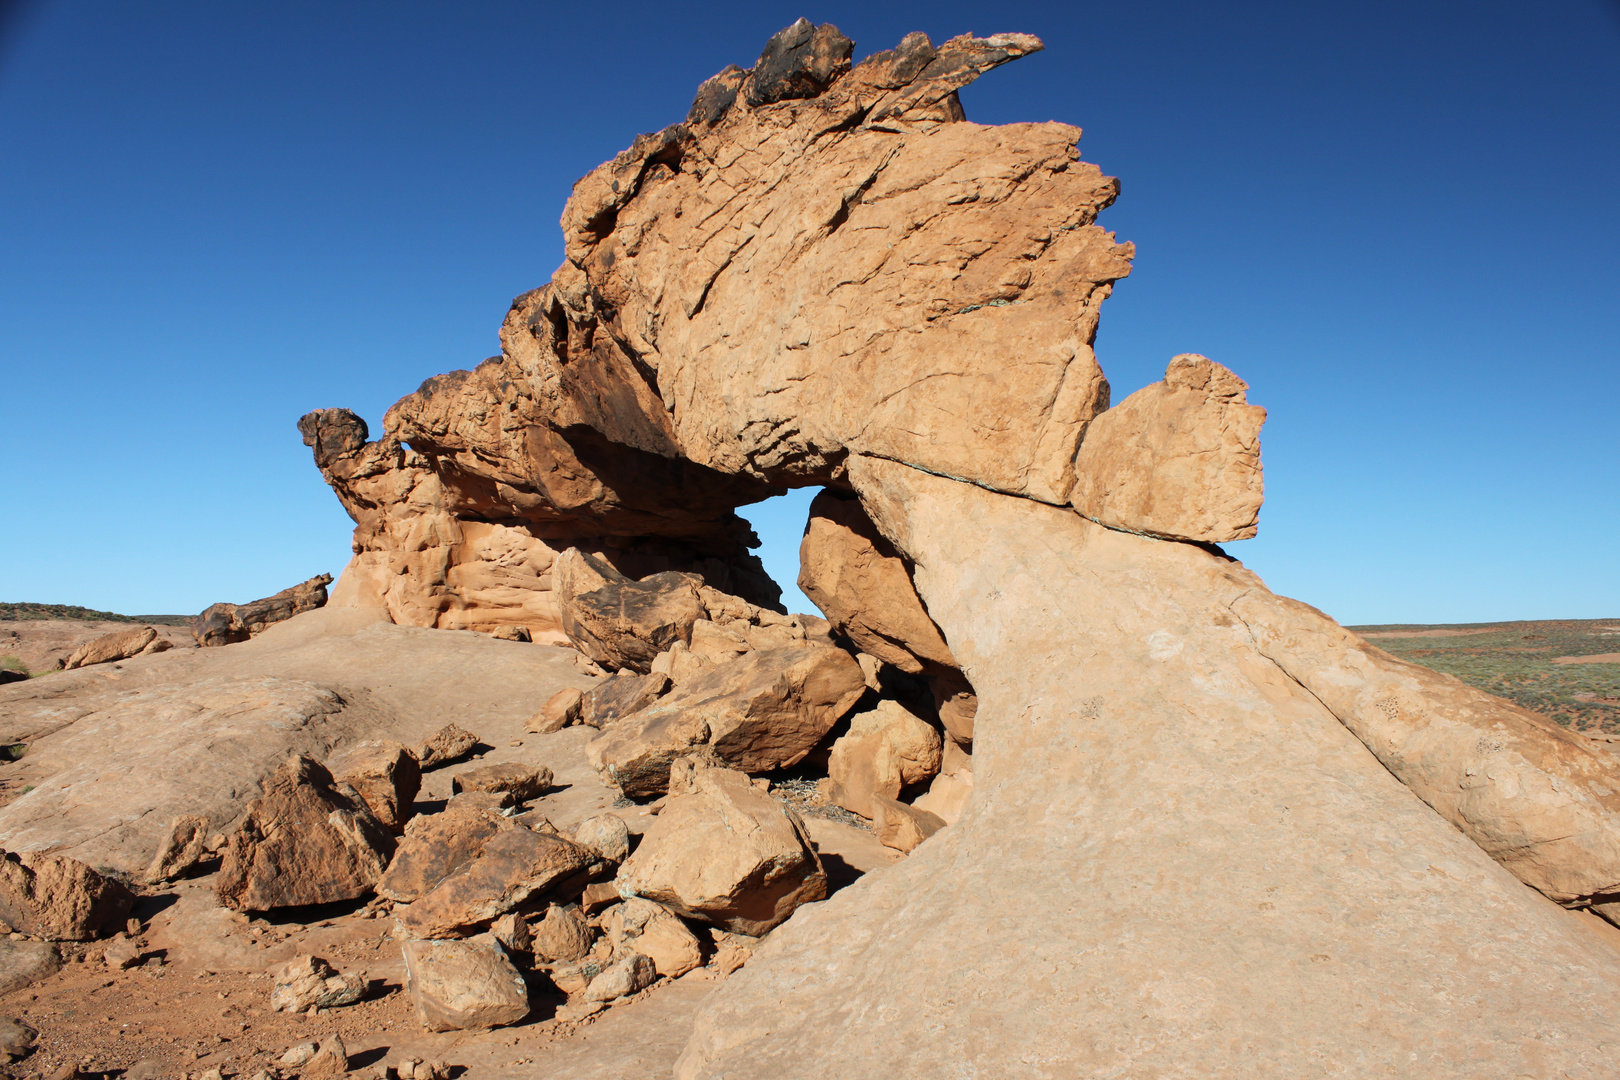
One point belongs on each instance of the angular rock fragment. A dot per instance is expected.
(514, 866)
(605, 834)
(724, 852)
(1178, 459)
(182, 849)
(225, 624)
(561, 937)
(947, 796)
(23, 963)
(306, 981)
(764, 710)
(304, 841)
(521, 782)
(855, 576)
(121, 953)
(436, 846)
(900, 826)
(450, 743)
(464, 985)
(60, 899)
(331, 1059)
(16, 1038)
(512, 931)
(655, 932)
(621, 695)
(109, 647)
(386, 775)
(629, 974)
(620, 622)
(886, 750)
(560, 710)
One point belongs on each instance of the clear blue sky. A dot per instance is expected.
(1399, 222)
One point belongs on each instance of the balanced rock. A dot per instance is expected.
(641, 926)
(725, 852)
(855, 576)
(886, 750)
(437, 845)
(513, 867)
(561, 710)
(1178, 459)
(116, 646)
(387, 777)
(58, 898)
(182, 849)
(304, 841)
(450, 743)
(621, 695)
(561, 937)
(225, 624)
(764, 710)
(309, 981)
(521, 782)
(620, 622)
(463, 985)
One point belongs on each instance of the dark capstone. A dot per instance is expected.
(799, 62)
(226, 624)
(330, 432)
(899, 66)
(715, 96)
(7, 675)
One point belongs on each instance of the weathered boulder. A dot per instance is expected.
(641, 926)
(901, 826)
(122, 953)
(330, 1060)
(385, 774)
(58, 898)
(512, 931)
(764, 710)
(886, 750)
(1179, 459)
(225, 624)
(437, 845)
(17, 1039)
(521, 782)
(513, 867)
(561, 937)
(621, 695)
(182, 849)
(561, 710)
(620, 622)
(307, 981)
(725, 852)
(450, 743)
(605, 834)
(947, 796)
(305, 841)
(630, 973)
(117, 646)
(859, 581)
(464, 985)
(23, 963)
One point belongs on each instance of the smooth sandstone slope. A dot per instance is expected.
(1176, 862)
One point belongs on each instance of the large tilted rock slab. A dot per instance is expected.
(1191, 867)
(725, 852)
(1180, 458)
(764, 710)
(306, 840)
(117, 646)
(511, 867)
(620, 622)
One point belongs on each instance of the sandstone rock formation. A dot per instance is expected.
(886, 750)
(1177, 459)
(641, 926)
(450, 743)
(223, 624)
(762, 711)
(59, 899)
(512, 867)
(724, 852)
(521, 782)
(309, 981)
(561, 710)
(117, 646)
(305, 841)
(1178, 830)
(436, 846)
(181, 850)
(621, 695)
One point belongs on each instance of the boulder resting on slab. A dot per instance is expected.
(464, 985)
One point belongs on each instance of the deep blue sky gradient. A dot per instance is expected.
(1397, 221)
